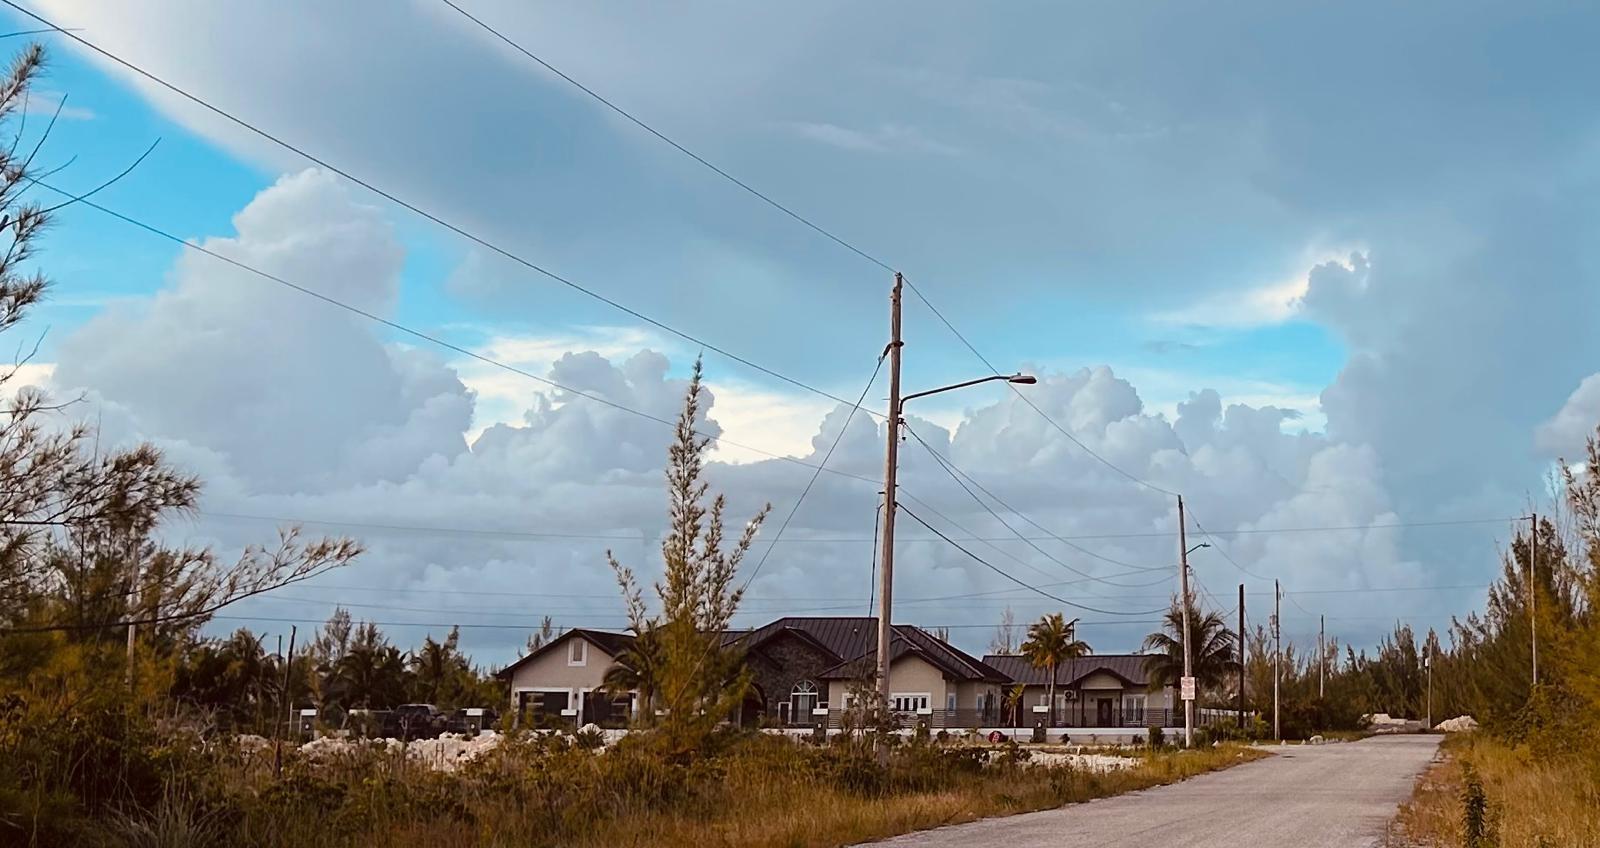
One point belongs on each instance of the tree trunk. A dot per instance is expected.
(1052, 696)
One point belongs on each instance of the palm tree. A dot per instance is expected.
(637, 669)
(1051, 641)
(1014, 704)
(1214, 654)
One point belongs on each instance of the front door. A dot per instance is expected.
(1104, 712)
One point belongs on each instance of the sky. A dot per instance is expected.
(1311, 266)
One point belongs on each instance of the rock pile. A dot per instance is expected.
(1459, 724)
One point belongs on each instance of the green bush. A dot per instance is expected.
(1156, 737)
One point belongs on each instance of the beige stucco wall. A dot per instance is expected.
(969, 695)
(551, 671)
(908, 676)
(1101, 680)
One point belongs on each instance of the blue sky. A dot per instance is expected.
(1368, 227)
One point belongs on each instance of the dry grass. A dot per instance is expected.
(1531, 803)
(810, 814)
(758, 792)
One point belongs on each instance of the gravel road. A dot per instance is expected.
(1309, 796)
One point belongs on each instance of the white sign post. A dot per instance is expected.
(1187, 692)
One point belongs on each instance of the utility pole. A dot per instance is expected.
(284, 704)
(1427, 662)
(1241, 656)
(1322, 653)
(1188, 671)
(1277, 653)
(133, 599)
(1533, 593)
(891, 460)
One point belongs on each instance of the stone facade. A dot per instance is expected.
(780, 663)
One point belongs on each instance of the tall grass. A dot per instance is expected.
(754, 790)
(1527, 801)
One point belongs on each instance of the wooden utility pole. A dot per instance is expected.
(890, 462)
(285, 701)
(1241, 656)
(1533, 593)
(1188, 670)
(133, 600)
(1277, 654)
(1322, 653)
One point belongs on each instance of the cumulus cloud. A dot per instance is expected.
(290, 409)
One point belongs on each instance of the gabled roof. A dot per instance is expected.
(1129, 668)
(908, 639)
(612, 643)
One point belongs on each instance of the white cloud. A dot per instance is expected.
(1271, 303)
(884, 138)
(1566, 433)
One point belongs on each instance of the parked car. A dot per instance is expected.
(414, 721)
(471, 720)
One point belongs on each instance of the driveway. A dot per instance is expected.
(1308, 796)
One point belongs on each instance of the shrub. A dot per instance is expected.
(1156, 737)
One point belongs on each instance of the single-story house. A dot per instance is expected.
(1097, 690)
(560, 683)
(804, 671)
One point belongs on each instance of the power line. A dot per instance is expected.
(1007, 576)
(765, 198)
(536, 535)
(800, 218)
(427, 337)
(604, 622)
(957, 474)
(608, 595)
(844, 428)
(387, 195)
(1217, 546)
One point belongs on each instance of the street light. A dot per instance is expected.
(897, 405)
(1017, 379)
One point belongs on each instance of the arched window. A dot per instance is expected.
(802, 701)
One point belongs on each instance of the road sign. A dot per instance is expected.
(1188, 689)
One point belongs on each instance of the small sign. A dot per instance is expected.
(474, 711)
(1187, 692)
(311, 713)
(1040, 708)
(819, 711)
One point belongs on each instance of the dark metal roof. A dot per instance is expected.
(1128, 667)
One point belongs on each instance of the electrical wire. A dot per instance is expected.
(418, 210)
(844, 428)
(957, 474)
(538, 535)
(1007, 576)
(800, 218)
(432, 339)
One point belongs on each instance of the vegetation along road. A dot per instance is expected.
(1308, 796)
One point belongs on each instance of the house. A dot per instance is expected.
(1097, 690)
(805, 672)
(560, 683)
(802, 670)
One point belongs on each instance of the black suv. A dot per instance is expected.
(414, 721)
(470, 722)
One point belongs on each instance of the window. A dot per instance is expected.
(909, 703)
(577, 652)
(802, 701)
(950, 702)
(1133, 708)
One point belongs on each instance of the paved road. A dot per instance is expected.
(1324, 796)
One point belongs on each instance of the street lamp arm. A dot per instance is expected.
(1010, 378)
